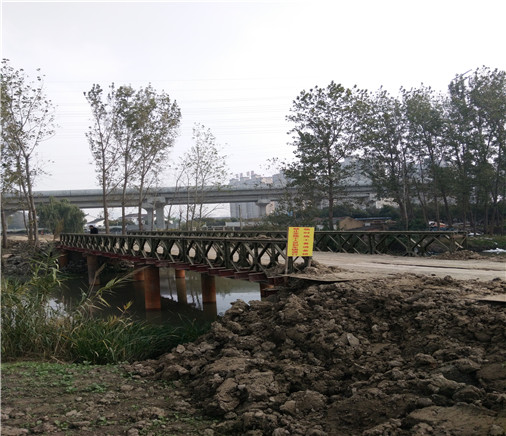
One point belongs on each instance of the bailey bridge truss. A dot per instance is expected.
(251, 255)
(401, 243)
(248, 259)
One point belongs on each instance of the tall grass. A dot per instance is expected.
(33, 328)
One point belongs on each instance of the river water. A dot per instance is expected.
(181, 298)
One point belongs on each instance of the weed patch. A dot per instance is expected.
(34, 328)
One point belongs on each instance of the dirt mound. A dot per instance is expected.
(461, 255)
(17, 258)
(398, 356)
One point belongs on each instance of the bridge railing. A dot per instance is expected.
(281, 234)
(403, 243)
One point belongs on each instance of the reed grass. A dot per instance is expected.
(33, 328)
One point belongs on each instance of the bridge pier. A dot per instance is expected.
(262, 205)
(181, 290)
(152, 297)
(63, 259)
(180, 273)
(208, 285)
(92, 264)
(149, 222)
(266, 289)
(159, 217)
(139, 275)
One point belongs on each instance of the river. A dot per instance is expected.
(181, 298)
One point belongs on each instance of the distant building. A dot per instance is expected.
(251, 209)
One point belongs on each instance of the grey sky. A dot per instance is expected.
(237, 66)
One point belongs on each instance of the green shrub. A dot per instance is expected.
(486, 242)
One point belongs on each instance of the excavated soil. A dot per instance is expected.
(408, 355)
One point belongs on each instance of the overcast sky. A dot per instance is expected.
(235, 66)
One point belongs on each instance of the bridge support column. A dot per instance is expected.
(152, 297)
(139, 275)
(149, 218)
(262, 205)
(210, 311)
(181, 289)
(180, 273)
(160, 219)
(266, 289)
(208, 285)
(63, 259)
(92, 263)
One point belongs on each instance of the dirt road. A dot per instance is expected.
(365, 266)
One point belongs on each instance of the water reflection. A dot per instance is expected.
(181, 298)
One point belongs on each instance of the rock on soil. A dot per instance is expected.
(408, 355)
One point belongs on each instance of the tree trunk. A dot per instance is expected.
(123, 207)
(4, 229)
(331, 212)
(104, 205)
(32, 211)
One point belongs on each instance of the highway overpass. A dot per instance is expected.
(157, 200)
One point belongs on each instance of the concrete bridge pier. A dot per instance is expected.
(159, 217)
(262, 205)
(152, 297)
(154, 207)
(149, 223)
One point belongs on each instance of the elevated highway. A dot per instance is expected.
(159, 198)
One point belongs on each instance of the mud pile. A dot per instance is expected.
(405, 355)
(466, 255)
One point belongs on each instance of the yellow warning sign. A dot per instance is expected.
(300, 241)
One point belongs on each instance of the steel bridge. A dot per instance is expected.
(254, 259)
(250, 254)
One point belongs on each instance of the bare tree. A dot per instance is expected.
(27, 119)
(157, 121)
(130, 139)
(102, 142)
(203, 167)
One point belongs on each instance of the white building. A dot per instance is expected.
(253, 210)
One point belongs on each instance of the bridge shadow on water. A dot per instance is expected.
(181, 298)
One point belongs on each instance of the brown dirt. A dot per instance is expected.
(469, 255)
(62, 399)
(399, 355)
